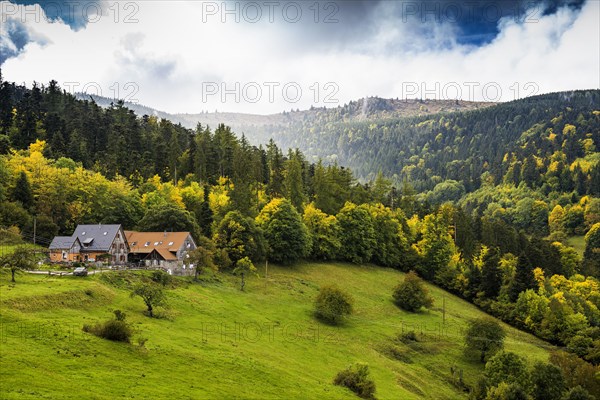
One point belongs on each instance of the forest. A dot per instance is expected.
(482, 203)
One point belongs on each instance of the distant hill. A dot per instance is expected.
(426, 141)
(369, 108)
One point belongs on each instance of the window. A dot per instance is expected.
(170, 243)
(133, 243)
(147, 244)
(64, 255)
(83, 233)
(156, 243)
(105, 233)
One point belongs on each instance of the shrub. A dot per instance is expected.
(117, 329)
(332, 304)
(160, 276)
(141, 341)
(411, 294)
(408, 337)
(356, 378)
(119, 315)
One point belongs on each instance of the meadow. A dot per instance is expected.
(215, 341)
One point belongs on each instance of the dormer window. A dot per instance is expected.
(156, 243)
(147, 244)
(134, 243)
(83, 233)
(105, 233)
(170, 243)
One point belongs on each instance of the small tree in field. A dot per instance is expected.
(203, 257)
(20, 259)
(356, 378)
(243, 267)
(411, 294)
(332, 304)
(152, 294)
(484, 337)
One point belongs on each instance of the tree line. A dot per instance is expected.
(67, 162)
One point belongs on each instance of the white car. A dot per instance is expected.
(80, 271)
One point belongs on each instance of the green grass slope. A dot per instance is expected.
(214, 341)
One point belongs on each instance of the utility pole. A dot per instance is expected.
(444, 310)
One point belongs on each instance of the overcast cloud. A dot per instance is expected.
(181, 56)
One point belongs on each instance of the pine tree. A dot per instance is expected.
(205, 218)
(524, 278)
(275, 161)
(22, 191)
(491, 274)
(595, 180)
(293, 181)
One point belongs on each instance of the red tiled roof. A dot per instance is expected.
(146, 242)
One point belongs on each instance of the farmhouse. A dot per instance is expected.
(65, 249)
(91, 243)
(166, 249)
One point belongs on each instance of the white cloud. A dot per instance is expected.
(170, 53)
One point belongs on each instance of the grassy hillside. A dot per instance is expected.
(578, 243)
(214, 341)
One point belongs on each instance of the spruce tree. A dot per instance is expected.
(524, 278)
(22, 191)
(491, 274)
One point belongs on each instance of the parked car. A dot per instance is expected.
(80, 271)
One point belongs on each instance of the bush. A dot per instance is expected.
(117, 329)
(332, 304)
(408, 337)
(411, 294)
(356, 378)
(160, 276)
(119, 315)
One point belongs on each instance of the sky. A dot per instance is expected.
(265, 57)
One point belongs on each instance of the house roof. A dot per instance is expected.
(97, 237)
(62, 242)
(161, 253)
(146, 242)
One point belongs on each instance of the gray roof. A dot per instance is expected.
(62, 242)
(102, 235)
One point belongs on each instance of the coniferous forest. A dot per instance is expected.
(483, 203)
